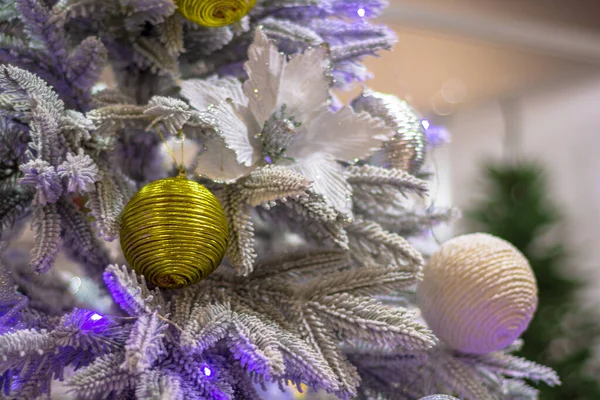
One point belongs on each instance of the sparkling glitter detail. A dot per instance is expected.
(277, 134)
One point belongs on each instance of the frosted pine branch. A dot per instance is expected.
(312, 217)
(280, 30)
(46, 228)
(363, 318)
(14, 346)
(46, 28)
(103, 376)
(130, 291)
(515, 367)
(111, 118)
(255, 346)
(80, 172)
(206, 325)
(81, 332)
(43, 108)
(460, 379)
(376, 176)
(85, 65)
(271, 184)
(298, 265)
(369, 243)
(171, 35)
(263, 186)
(155, 384)
(42, 176)
(240, 248)
(144, 344)
(169, 114)
(110, 97)
(106, 203)
(28, 91)
(152, 55)
(33, 357)
(14, 204)
(387, 371)
(38, 19)
(362, 281)
(76, 129)
(413, 222)
(172, 113)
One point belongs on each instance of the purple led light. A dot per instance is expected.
(207, 371)
(96, 317)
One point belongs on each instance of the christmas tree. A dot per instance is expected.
(518, 209)
(280, 256)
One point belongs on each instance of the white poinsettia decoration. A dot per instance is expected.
(281, 115)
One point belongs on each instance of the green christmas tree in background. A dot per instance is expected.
(518, 208)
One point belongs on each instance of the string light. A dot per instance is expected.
(361, 12)
(96, 317)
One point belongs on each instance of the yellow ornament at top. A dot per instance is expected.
(174, 232)
(215, 13)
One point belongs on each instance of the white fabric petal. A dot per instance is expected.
(328, 179)
(305, 84)
(201, 94)
(265, 70)
(238, 128)
(219, 163)
(345, 135)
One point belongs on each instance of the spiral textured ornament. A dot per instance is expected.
(174, 232)
(215, 13)
(406, 149)
(478, 293)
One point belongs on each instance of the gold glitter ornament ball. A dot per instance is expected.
(214, 13)
(174, 232)
(478, 293)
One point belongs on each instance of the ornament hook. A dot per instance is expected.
(181, 166)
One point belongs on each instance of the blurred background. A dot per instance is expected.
(516, 83)
(507, 78)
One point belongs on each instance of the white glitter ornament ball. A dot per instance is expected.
(478, 293)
